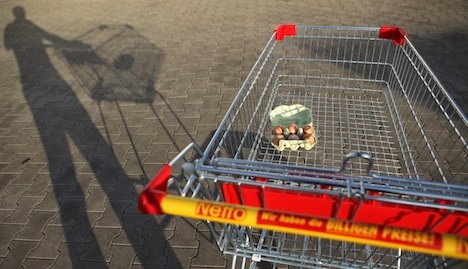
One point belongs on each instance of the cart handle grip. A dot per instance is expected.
(395, 33)
(285, 30)
(357, 154)
(151, 197)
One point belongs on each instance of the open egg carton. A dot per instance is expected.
(292, 128)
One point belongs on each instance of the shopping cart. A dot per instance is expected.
(385, 185)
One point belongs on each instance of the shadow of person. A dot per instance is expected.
(59, 117)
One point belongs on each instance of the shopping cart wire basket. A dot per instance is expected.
(384, 186)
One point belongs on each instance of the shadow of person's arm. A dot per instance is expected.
(58, 41)
(55, 39)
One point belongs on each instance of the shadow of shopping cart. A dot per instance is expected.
(114, 63)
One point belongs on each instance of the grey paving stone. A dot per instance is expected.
(32, 146)
(79, 189)
(29, 172)
(204, 136)
(161, 222)
(98, 159)
(17, 254)
(190, 117)
(10, 197)
(69, 209)
(149, 127)
(123, 190)
(3, 165)
(104, 237)
(136, 115)
(213, 89)
(96, 200)
(32, 263)
(184, 235)
(22, 213)
(8, 233)
(113, 125)
(81, 231)
(141, 266)
(8, 153)
(179, 257)
(176, 103)
(124, 137)
(69, 254)
(195, 97)
(208, 254)
(39, 186)
(151, 253)
(158, 152)
(111, 217)
(36, 225)
(183, 140)
(122, 256)
(110, 172)
(4, 214)
(5, 179)
(133, 225)
(133, 208)
(202, 226)
(49, 203)
(134, 161)
(143, 142)
(71, 191)
(49, 245)
(165, 136)
(92, 265)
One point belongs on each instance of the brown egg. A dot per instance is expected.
(292, 128)
(312, 139)
(293, 137)
(277, 130)
(306, 136)
(276, 141)
(308, 129)
(279, 136)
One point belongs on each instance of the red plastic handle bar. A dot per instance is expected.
(153, 194)
(283, 221)
(393, 32)
(285, 30)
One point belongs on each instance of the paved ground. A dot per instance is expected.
(72, 162)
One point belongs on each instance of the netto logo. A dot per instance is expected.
(220, 211)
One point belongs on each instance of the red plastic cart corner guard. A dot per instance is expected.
(285, 30)
(393, 32)
(151, 197)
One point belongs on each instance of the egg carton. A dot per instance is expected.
(284, 115)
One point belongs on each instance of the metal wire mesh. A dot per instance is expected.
(345, 121)
(306, 252)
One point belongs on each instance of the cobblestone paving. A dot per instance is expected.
(72, 161)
